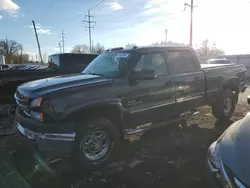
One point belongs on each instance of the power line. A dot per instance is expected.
(142, 11)
(62, 37)
(96, 4)
(89, 26)
(85, 11)
(51, 5)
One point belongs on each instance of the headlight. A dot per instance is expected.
(36, 102)
(37, 115)
(213, 155)
(34, 112)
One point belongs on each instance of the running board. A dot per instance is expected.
(148, 126)
(189, 114)
(141, 130)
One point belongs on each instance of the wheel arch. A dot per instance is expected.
(231, 83)
(111, 110)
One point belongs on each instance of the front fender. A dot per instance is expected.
(71, 110)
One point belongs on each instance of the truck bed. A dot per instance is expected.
(207, 66)
(215, 74)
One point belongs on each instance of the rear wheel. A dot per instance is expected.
(224, 107)
(96, 143)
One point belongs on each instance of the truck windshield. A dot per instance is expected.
(108, 65)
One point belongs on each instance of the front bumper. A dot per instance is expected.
(211, 176)
(47, 139)
(220, 178)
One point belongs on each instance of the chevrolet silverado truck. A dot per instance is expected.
(122, 92)
(59, 64)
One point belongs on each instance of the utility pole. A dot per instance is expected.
(39, 49)
(62, 40)
(22, 55)
(89, 27)
(92, 49)
(60, 47)
(166, 36)
(191, 21)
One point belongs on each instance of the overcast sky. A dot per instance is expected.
(119, 22)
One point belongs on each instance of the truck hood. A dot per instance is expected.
(48, 85)
(235, 149)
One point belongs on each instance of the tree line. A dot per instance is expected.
(204, 50)
(12, 50)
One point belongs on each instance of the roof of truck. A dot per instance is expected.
(147, 48)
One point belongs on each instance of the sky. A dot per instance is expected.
(118, 22)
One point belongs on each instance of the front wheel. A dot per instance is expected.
(224, 107)
(96, 142)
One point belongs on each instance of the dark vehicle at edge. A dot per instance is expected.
(59, 64)
(228, 157)
(122, 92)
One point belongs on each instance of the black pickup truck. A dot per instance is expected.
(59, 64)
(121, 92)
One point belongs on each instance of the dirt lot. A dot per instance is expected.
(165, 157)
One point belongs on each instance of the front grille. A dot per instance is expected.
(21, 101)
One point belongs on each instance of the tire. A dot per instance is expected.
(97, 140)
(224, 107)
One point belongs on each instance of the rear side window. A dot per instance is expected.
(182, 61)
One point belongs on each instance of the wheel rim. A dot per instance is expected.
(96, 145)
(228, 104)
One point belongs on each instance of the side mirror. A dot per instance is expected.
(248, 99)
(144, 74)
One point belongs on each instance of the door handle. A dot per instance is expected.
(197, 78)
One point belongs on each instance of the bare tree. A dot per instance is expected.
(130, 45)
(163, 43)
(98, 48)
(207, 50)
(80, 48)
(10, 48)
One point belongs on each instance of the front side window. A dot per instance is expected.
(182, 61)
(108, 64)
(155, 61)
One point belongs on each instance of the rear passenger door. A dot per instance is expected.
(188, 78)
(151, 100)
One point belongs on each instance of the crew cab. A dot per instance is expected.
(59, 64)
(121, 92)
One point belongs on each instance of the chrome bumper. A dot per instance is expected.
(70, 137)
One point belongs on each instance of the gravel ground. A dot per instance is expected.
(164, 157)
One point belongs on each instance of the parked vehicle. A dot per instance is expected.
(2, 67)
(122, 92)
(228, 157)
(59, 64)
